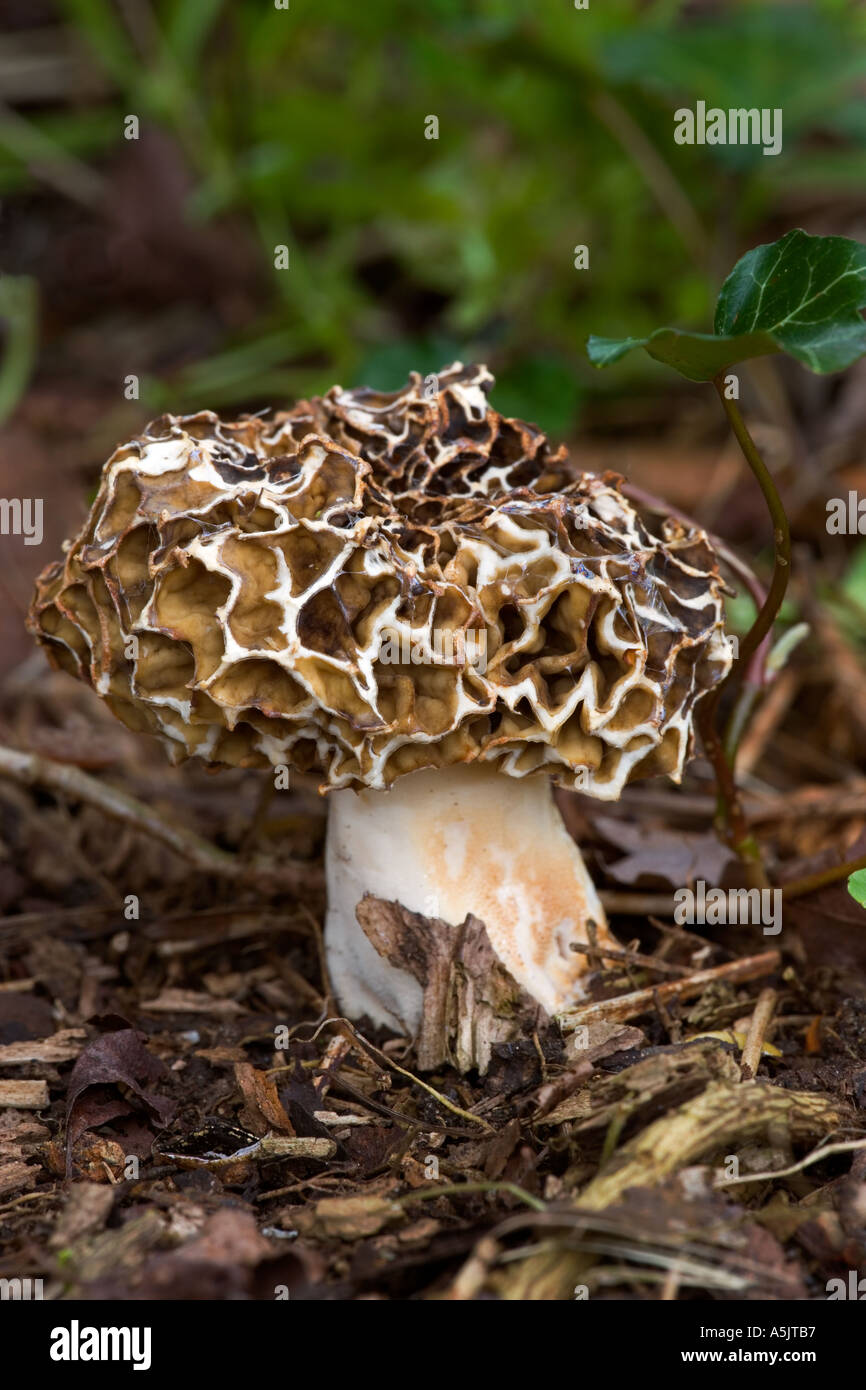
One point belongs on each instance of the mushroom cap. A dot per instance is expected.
(372, 583)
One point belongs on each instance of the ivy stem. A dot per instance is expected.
(731, 821)
(781, 540)
(799, 887)
(721, 753)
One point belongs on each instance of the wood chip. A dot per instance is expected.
(190, 1001)
(16, 1176)
(295, 1146)
(331, 1118)
(24, 1095)
(64, 1046)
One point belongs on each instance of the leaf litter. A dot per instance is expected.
(205, 1126)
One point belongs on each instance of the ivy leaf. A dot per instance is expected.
(806, 292)
(802, 295)
(857, 886)
(698, 356)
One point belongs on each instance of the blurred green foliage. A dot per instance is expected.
(847, 600)
(19, 307)
(555, 130)
(857, 886)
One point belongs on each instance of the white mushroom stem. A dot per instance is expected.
(446, 843)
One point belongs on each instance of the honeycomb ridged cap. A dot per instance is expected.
(372, 583)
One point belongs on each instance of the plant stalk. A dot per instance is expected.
(781, 540)
(721, 753)
(799, 887)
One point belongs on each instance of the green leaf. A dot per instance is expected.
(603, 351)
(802, 295)
(698, 356)
(807, 293)
(857, 886)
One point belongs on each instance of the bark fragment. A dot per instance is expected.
(471, 1002)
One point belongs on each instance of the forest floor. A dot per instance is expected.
(184, 1115)
(182, 1112)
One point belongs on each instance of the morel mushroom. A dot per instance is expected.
(410, 596)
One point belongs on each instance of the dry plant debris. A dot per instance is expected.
(271, 1153)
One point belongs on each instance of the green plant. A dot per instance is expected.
(802, 295)
(19, 312)
(306, 127)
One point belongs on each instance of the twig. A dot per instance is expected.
(811, 801)
(431, 1090)
(437, 1095)
(746, 748)
(29, 769)
(326, 1180)
(457, 1188)
(763, 1012)
(815, 1156)
(592, 948)
(632, 1005)
(295, 1146)
(19, 1201)
(637, 904)
(328, 997)
(630, 958)
(23, 1095)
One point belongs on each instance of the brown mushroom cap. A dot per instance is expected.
(242, 589)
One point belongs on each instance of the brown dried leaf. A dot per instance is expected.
(263, 1109)
(673, 857)
(111, 1060)
(190, 1001)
